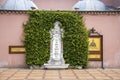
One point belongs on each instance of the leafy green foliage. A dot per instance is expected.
(37, 37)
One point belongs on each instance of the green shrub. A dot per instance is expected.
(37, 37)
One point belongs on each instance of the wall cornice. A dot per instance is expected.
(79, 12)
(99, 12)
(13, 12)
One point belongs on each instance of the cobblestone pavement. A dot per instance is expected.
(69, 74)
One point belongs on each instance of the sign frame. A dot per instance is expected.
(95, 46)
(17, 50)
(98, 51)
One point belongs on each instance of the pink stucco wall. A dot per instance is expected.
(11, 33)
(55, 4)
(1, 1)
(108, 26)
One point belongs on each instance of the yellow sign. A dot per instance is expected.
(92, 56)
(17, 49)
(94, 44)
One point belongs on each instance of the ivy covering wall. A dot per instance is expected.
(37, 37)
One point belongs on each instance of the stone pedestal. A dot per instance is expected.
(50, 66)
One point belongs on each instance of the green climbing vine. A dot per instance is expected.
(37, 37)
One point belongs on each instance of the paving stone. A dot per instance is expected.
(88, 77)
(80, 71)
(67, 74)
(17, 77)
(9, 72)
(69, 77)
(52, 73)
(108, 71)
(94, 72)
(51, 77)
(92, 69)
(70, 74)
(51, 70)
(3, 78)
(12, 70)
(21, 74)
(34, 77)
(62, 73)
(25, 69)
(3, 68)
(98, 75)
(66, 71)
(116, 70)
(6, 75)
(116, 78)
(1, 71)
(37, 72)
(102, 78)
(114, 75)
(83, 75)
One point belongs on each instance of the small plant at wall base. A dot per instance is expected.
(37, 37)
